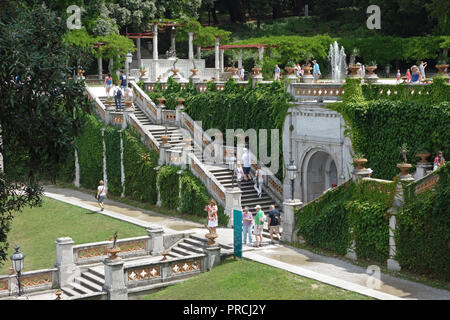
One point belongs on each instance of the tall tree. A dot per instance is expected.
(41, 110)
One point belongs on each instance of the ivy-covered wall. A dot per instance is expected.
(423, 229)
(112, 152)
(328, 221)
(379, 127)
(168, 186)
(90, 153)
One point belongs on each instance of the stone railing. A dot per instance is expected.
(147, 274)
(98, 251)
(148, 139)
(99, 107)
(325, 91)
(31, 281)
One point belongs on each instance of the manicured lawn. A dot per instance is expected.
(248, 280)
(35, 231)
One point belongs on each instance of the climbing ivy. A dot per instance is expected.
(90, 153)
(113, 170)
(423, 230)
(168, 186)
(139, 165)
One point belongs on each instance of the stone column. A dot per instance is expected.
(289, 233)
(199, 52)
(126, 116)
(212, 256)
(260, 53)
(156, 234)
(217, 58)
(191, 46)
(159, 113)
(240, 59)
(155, 41)
(64, 260)
(115, 279)
(76, 182)
(256, 79)
(138, 45)
(173, 41)
(163, 154)
(359, 174)
(100, 67)
(221, 62)
(232, 201)
(392, 264)
(421, 169)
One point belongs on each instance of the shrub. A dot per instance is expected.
(113, 169)
(168, 186)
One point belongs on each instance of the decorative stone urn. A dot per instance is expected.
(211, 238)
(165, 139)
(423, 156)
(404, 167)
(256, 71)
(175, 71)
(164, 254)
(194, 72)
(360, 163)
(180, 103)
(128, 104)
(290, 70)
(113, 252)
(143, 72)
(441, 68)
(370, 70)
(59, 294)
(161, 101)
(233, 71)
(354, 69)
(307, 68)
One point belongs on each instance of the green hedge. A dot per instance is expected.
(169, 187)
(67, 169)
(327, 222)
(423, 230)
(379, 127)
(90, 153)
(139, 165)
(113, 170)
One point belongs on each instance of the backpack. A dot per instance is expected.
(274, 219)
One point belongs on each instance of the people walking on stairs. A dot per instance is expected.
(118, 97)
(259, 180)
(247, 221)
(259, 225)
(274, 222)
(108, 84)
(238, 173)
(213, 220)
(247, 166)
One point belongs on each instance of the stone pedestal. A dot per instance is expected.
(392, 264)
(373, 78)
(232, 201)
(359, 174)
(256, 79)
(308, 78)
(156, 245)
(421, 170)
(163, 154)
(351, 252)
(126, 116)
(114, 279)
(212, 257)
(289, 233)
(64, 260)
(292, 78)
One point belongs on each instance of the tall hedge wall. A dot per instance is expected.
(139, 165)
(423, 230)
(379, 127)
(113, 170)
(90, 153)
(169, 186)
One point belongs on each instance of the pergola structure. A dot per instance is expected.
(221, 49)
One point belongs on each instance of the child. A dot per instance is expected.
(399, 76)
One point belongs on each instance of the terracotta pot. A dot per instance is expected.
(256, 71)
(290, 70)
(180, 102)
(165, 139)
(404, 167)
(211, 237)
(354, 69)
(307, 70)
(423, 156)
(113, 253)
(175, 71)
(161, 101)
(234, 71)
(441, 68)
(360, 163)
(128, 103)
(371, 69)
(143, 72)
(164, 254)
(194, 71)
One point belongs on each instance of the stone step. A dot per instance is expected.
(93, 278)
(79, 288)
(88, 284)
(190, 247)
(98, 271)
(195, 242)
(182, 251)
(175, 255)
(70, 292)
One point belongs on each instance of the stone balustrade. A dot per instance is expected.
(31, 281)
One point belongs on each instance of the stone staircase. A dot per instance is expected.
(103, 100)
(88, 284)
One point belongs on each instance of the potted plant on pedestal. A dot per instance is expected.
(423, 154)
(165, 137)
(290, 68)
(142, 71)
(359, 159)
(404, 166)
(442, 65)
(307, 66)
(194, 70)
(371, 67)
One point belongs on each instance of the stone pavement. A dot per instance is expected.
(328, 270)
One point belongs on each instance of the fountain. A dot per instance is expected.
(337, 58)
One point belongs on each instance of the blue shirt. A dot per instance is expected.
(415, 77)
(316, 69)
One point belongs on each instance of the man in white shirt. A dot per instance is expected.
(247, 165)
(118, 93)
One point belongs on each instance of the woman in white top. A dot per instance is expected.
(259, 181)
(101, 194)
(239, 173)
(129, 92)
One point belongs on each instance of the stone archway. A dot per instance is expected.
(320, 173)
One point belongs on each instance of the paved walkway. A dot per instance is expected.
(332, 271)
